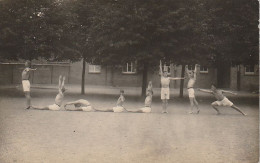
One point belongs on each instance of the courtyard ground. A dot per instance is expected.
(62, 136)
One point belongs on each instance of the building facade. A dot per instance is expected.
(236, 78)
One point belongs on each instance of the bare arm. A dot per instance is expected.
(176, 78)
(195, 72)
(73, 102)
(186, 69)
(32, 69)
(229, 92)
(160, 71)
(204, 90)
(60, 78)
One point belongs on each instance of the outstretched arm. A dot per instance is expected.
(229, 92)
(204, 90)
(160, 71)
(176, 78)
(71, 103)
(32, 69)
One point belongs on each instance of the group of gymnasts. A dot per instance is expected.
(84, 105)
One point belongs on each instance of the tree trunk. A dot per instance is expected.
(182, 81)
(144, 82)
(83, 77)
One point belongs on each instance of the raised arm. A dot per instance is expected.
(204, 90)
(160, 70)
(60, 78)
(186, 69)
(63, 82)
(229, 92)
(195, 71)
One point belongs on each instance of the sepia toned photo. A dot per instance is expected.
(129, 81)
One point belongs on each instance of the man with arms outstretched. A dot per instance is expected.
(59, 98)
(165, 90)
(221, 99)
(26, 83)
(190, 87)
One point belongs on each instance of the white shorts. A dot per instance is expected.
(26, 85)
(118, 109)
(146, 109)
(165, 93)
(87, 108)
(191, 92)
(54, 107)
(224, 102)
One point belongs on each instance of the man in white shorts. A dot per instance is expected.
(59, 98)
(80, 105)
(148, 101)
(165, 90)
(26, 83)
(190, 87)
(221, 99)
(119, 105)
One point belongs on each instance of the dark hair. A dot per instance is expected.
(213, 84)
(28, 62)
(122, 91)
(63, 89)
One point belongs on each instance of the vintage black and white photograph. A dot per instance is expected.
(129, 81)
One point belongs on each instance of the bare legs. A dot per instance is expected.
(233, 106)
(164, 105)
(237, 109)
(192, 102)
(28, 99)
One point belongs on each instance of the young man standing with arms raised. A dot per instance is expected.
(190, 88)
(165, 90)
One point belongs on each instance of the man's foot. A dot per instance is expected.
(190, 112)
(218, 113)
(198, 111)
(28, 107)
(244, 114)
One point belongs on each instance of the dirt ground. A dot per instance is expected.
(63, 136)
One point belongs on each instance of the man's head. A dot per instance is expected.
(165, 73)
(122, 91)
(63, 89)
(191, 74)
(213, 87)
(149, 93)
(27, 64)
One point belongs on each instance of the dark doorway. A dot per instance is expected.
(223, 74)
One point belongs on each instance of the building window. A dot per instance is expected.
(94, 68)
(129, 68)
(204, 69)
(249, 70)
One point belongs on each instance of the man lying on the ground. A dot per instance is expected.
(58, 100)
(119, 105)
(148, 101)
(221, 99)
(80, 105)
